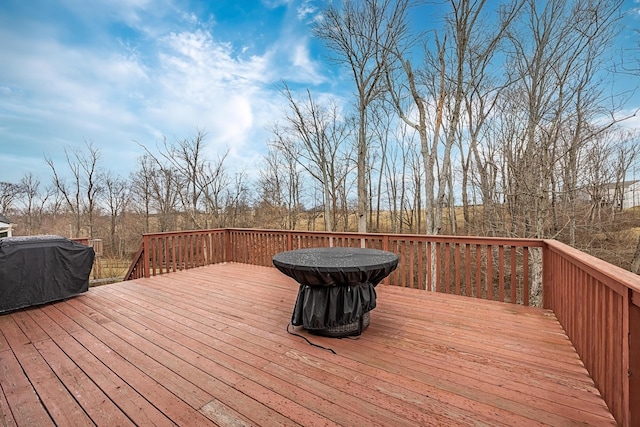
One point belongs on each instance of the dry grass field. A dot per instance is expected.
(108, 270)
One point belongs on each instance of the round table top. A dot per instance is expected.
(335, 259)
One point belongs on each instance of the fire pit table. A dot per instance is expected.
(337, 286)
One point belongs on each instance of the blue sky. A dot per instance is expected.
(119, 71)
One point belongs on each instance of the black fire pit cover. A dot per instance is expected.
(336, 284)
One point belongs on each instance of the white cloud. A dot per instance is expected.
(130, 12)
(301, 59)
(272, 4)
(306, 9)
(169, 81)
(630, 118)
(202, 85)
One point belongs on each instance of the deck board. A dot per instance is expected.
(210, 346)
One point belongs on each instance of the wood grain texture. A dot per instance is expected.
(210, 345)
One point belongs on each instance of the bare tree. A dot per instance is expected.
(463, 56)
(9, 192)
(280, 189)
(411, 103)
(186, 159)
(92, 185)
(555, 58)
(141, 187)
(199, 181)
(81, 195)
(158, 186)
(557, 53)
(34, 202)
(382, 122)
(626, 154)
(635, 261)
(166, 186)
(31, 189)
(361, 35)
(214, 181)
(598, 173)
(116, 197)
(237, 203)
(431, 100)
(314, 136)
(394, 184)
(606, 160)
(482, 89)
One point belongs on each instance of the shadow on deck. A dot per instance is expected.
(209, 345)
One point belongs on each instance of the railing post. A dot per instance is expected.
(227, 245)
(634, 358)
(385, 247)
(547, 276)
(146, 255)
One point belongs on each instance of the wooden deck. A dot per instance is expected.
(210, 346)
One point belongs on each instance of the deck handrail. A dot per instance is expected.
(162, 253)
(597, 304)
(491, 268)
(136, 269)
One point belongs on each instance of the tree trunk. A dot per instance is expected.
(635, 261)
(362, 174)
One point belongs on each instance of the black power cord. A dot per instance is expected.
(307, 340)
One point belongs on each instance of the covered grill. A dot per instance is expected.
(39, 269)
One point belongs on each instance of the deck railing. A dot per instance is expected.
(597, 304)
(162, 253)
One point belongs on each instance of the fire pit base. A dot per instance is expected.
(350, 329)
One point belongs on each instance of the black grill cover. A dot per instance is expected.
(40, 269)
